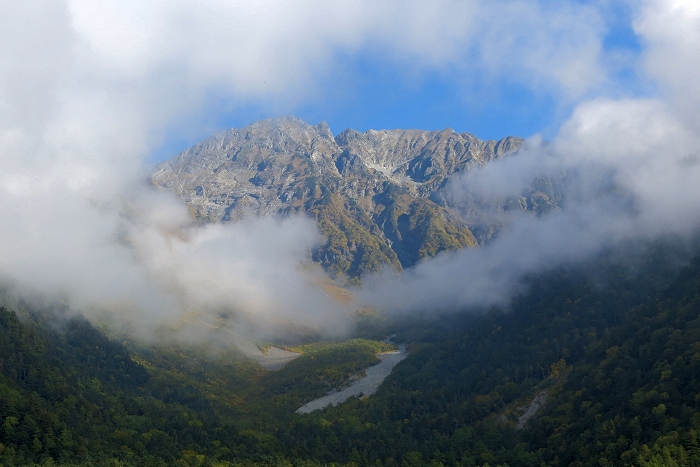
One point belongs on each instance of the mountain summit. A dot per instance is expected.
(375, 195)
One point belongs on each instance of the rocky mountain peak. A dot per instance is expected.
(283, 133)
(373, 193)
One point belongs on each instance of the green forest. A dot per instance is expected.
(590, 364)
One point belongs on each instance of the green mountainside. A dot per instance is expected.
(594, 364)
(377, 196)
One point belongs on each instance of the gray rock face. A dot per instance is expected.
(368, 191)
(421, 159)
(251, 171)
(255, 170)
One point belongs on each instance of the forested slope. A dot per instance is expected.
(611, 349)
(616, 357)
(69, 394)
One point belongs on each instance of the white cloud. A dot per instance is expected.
(671, 31)
(87, 88)
(632, 168)
(543, 44)
(274, 47)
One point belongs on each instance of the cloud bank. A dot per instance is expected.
(88, 89)
(628, 168)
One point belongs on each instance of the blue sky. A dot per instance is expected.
(365, 86)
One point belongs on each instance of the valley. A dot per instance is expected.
(590, 363)
(350, 234)
(613, 347)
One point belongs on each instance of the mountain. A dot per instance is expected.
(377, 196)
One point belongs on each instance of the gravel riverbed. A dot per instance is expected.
(364, 386)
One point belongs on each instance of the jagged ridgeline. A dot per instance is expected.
(376, 195)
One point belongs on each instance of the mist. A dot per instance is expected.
(89, 91)
(627, 170)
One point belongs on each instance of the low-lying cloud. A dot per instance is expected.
(627, 169)
(87, 90)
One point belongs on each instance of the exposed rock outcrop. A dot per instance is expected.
(374, 194)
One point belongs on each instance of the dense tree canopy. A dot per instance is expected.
(610, 351)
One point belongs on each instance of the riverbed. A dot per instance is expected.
(362, 387)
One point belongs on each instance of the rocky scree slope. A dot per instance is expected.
(376, 195)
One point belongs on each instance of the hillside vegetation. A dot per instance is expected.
(611, 350)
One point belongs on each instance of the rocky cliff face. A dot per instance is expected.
(375, 195)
